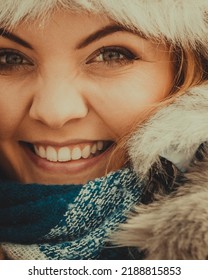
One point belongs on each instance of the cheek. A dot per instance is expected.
(122, 100)
(9, 120)
(13, 106)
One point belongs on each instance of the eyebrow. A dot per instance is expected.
(105, 31)
(8, 35)
(97, 35)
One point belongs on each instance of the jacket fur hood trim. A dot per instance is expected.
(174, 225)
(174, 132)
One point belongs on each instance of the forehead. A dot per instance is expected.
(59, 27)
(67, 20)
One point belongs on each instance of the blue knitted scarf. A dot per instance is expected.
(66, 222)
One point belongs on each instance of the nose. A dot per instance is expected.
(57, 102)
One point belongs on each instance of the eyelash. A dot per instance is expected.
(127, 56)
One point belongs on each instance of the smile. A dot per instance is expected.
(76, 159)
(72, 152)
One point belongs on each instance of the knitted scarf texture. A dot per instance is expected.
(66, 222)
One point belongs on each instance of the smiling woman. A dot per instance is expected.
(71, 111)
(77, 79)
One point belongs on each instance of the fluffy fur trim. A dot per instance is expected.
(174, 132)
(173, 226)
(1, 254)
(183, 22)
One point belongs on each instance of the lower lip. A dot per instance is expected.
(69, 167)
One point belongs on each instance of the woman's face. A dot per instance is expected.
(68, 90)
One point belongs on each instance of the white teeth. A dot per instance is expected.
(36, 150)
(94, 149)
(86, 152)
(76, 153)
(51, 154)
(42, 152)
(64, 154)
(99, 145)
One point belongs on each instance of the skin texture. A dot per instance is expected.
(64, 95)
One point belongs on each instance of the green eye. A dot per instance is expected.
(12, 58)
(112, 55)
(12, 61)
